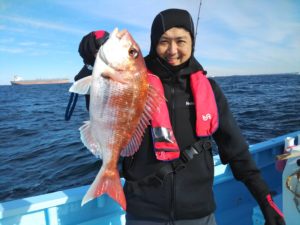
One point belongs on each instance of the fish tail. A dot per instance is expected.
(106, 182)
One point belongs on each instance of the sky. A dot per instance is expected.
(39, 38)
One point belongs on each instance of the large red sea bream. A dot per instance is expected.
(120, 109)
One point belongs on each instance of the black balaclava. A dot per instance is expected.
(164, 21)
(168, 19)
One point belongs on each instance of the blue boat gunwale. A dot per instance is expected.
(58, 205)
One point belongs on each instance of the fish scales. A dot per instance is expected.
(118, 113)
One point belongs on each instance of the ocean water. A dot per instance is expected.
(40, 152)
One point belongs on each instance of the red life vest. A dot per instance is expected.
(165, 145)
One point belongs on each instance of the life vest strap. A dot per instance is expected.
(174, 166)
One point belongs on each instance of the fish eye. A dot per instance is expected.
(133, 53)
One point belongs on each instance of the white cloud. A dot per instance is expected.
(241, 36)
(28, 43)
(255, 19)
(12, 50)
(36, 23)
(131, 12)
(6, 40)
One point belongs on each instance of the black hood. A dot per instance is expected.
(168, 19)
(164, 21)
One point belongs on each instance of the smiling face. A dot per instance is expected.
(175, 46)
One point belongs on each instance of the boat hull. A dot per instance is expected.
(33, 82)
(234, 203)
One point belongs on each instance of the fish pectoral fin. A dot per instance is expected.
(106, 183)
(82, 86)
(88, 139)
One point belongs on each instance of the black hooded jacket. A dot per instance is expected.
(187, 193)
(158, 194)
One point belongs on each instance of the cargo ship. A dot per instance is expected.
(20, 81)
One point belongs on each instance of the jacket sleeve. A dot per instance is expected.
(234, 150)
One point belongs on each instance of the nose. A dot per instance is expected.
(172, 48)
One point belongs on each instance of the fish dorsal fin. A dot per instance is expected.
(152, 104)
(82, 86)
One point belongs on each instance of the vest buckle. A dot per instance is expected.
(188, 154)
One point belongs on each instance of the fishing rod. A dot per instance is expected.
(198, 18)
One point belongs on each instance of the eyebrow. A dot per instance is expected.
(176, 38)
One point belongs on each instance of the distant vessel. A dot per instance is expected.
(20, 81)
